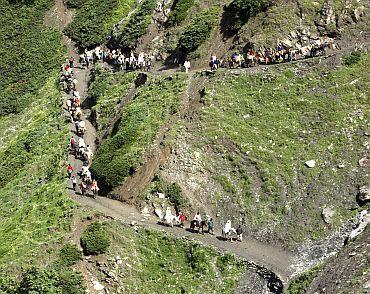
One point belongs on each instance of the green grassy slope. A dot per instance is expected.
(28, 51)
(141, 119)
(94, 21)
(35, 209)
(157, 263)
(105, 92)
(280, 119)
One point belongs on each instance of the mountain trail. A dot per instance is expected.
(271, 258)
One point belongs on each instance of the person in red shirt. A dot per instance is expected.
(182, 219)
(69, 170)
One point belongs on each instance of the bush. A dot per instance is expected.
(69, 255)
(173, 193)
(136, 25)
(240, 11)
(49, 280)
(179, 11)
(74, 3)
(352, 58)
(199, 258)
(303, 281)
(198, 31)
(94, 240)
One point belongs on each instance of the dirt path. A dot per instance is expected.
(270, 257)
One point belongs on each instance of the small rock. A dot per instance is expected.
(133, 223)
(364, 162)
(327, 213)
(341, 165)
(161, 195)
(363, 194)
(97, 286)
(145, 210)
(310, 163)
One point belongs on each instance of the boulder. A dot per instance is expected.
(363, 195)
(97, 286)
(145, 210)
(327, 214)
(161, 195)
(363, 162)
(310, 163)
(359, 12)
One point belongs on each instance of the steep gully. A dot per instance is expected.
(272, 264)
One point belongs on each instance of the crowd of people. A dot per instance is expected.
(200, 225)
(117, 59)
(281, 53)
(81, 179)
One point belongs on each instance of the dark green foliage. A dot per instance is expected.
(179, 11)
(302, 282)
(198, 31)
(74, 3)
(28, 51)
(352, 58)
(172, 191)
(88, 26)
(94, 240)
(140, 121)
(69, 255)
(50, 280)
(137, 24)
(239, 11)
(199, 259)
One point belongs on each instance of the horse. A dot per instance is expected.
(195, 224)
(227, 231)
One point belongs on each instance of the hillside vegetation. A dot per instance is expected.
(35, 211)
(94, 20)
(157, 263)
(29, 52)
(140, 121)
(262, 128)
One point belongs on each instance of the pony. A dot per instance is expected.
(227, 231)
(195, 225)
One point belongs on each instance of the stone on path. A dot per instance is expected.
(97, 286)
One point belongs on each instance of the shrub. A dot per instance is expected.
(199, 258)
(179, 11)
(352, 58)
(50, 280)
(74, 3)
(198, 31)
(94, 240)
(69, 255)
(303, 281)
(136, 25)
(240, 11)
